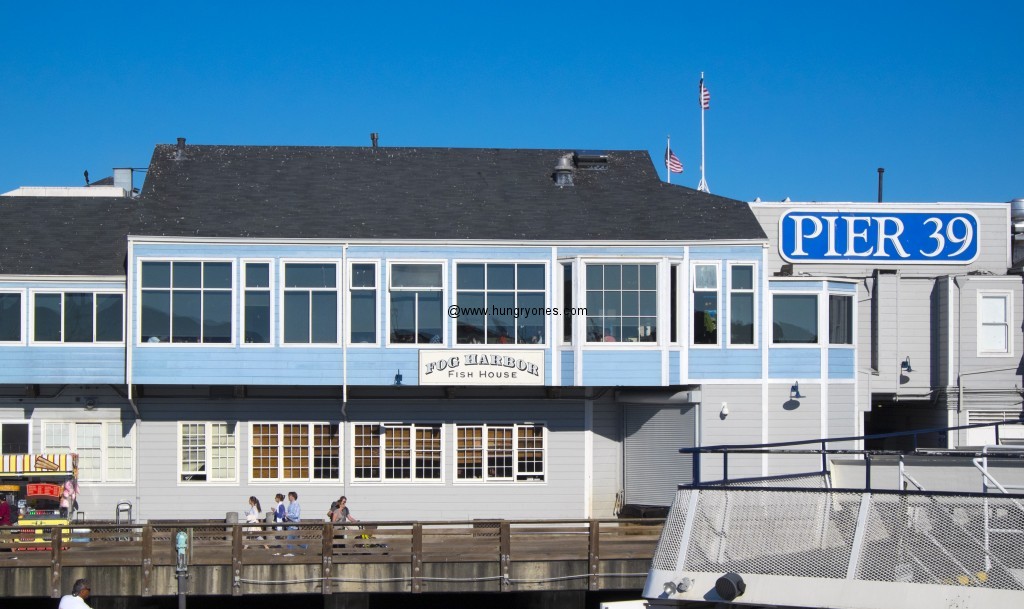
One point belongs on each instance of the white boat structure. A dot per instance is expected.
(868, 530)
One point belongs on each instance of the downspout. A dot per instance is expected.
(959, 355)
(344, 332)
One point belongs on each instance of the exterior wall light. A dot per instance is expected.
(905, 365)
(398, 378)
(794, 391)
(725, 410)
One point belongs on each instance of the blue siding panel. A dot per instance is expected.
(568, 368)
(837, 286)
(841, 363)
(794, 286)
(673, 368)
(621, 367)
(725, 363)
(62, 365)
(794, 363)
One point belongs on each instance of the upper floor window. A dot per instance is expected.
(416, 298)
(10, 317)
(500, 452)
(622, 302)
(705, 304)
(186, 302)
(397, 452)
(795, 319)
(78, 317)
(310, 303)
(207, 452)
(363, 303)
(14, 438)
(105, 448)
(295, 452)
(256, 309)
(994, 322)
(741, 304)
(500, 303)
(840, 319)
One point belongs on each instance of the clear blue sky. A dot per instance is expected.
(808, 99)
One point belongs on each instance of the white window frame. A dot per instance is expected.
(822, 328)
(207, 431)
(243, 291)
(558, 327)
(827, 339)
(1007, 295)
(18, 422)
(63, 292)
(487, 479)
(718, 296)
(382, 457)
(24, 333)
(515, 291)
(659, 316)
(233, 308)
(378, 302)
(338, 290)
(310, 435)
(445, 318)
(104, 447)
(753, 291)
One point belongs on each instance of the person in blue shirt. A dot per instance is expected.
(293, 514)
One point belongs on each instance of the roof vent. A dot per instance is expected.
(590, 160)
(373, 138)
(180, 152)
(563, 171)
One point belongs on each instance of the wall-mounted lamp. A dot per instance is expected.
(905, 365)
(90, 403)
(725, 410)
(398, 378)
(794, 391)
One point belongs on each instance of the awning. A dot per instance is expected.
(39, 464)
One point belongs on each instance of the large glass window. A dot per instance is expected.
(363, 305)
(311, 303)
(500, 452)
(622, 302)
(295, 451)
(500, 303)
(705, 304)
(795, 318)
(994, 324)
(78, 317)
(14, 438)
(10, 317)
(105, 448)
(397, 452)
(416, 298)
(840, 319)
(207, 452)
(186, 302)
(741, 304)
(257, 302)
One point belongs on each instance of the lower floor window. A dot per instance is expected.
(500, 452)
(105, 448)
(207, 452)
(295, 451)
(397, 452)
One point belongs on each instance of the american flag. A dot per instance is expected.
(705, 96)
(672, 161)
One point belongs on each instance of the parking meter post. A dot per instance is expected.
(181, 546)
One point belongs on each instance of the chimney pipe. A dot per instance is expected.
(881, 170)
(373, 138)
(180, 152)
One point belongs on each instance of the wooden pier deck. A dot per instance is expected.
(240, 559)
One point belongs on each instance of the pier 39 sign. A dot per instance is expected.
(866, 235)
(481, 367)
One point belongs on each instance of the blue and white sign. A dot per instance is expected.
(863, 236)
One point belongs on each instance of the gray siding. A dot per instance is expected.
(743, 425)
(791, 419)
(842, 414)
(607, 457)
(989, 382)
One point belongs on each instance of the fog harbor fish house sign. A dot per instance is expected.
(865, 236)
(476, 367)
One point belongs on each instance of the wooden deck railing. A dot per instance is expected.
(409, 544)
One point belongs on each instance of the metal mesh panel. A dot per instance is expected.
(805, 534)
(667, 553)
(945, 540)
(815, 480)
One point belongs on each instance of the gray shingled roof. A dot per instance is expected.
(64, 235)
(422, 193)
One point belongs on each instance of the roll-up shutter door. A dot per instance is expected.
(654, 468)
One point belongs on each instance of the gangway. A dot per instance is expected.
(800, 540)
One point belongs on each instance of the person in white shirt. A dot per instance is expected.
(79, 594)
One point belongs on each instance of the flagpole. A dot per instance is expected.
(703, 184)
(668, 146)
